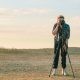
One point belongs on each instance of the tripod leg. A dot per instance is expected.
(51, 71)
(66, 44)
(71, 66)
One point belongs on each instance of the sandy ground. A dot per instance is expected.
(34, 67)
(35, 76)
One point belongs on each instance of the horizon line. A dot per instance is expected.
(35, 48)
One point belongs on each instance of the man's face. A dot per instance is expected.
(60, 20)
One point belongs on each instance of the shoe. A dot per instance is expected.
(64, 72)
(53, 72)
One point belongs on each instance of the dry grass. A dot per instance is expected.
(35, 64)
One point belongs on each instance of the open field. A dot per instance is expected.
(35, 64)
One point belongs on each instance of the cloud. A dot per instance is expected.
(31, 11)
(22, 11)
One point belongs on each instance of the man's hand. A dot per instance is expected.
(59, 24)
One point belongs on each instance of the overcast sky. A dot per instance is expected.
(28, 23)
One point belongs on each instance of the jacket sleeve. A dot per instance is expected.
(54, 26)
(66, 32)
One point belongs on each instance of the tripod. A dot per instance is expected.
(63, 42)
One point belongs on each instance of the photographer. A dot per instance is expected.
(61, 32)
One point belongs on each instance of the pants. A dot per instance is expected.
(57, 47)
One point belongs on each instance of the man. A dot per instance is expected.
(61, 32)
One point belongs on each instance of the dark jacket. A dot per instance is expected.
(64, 32)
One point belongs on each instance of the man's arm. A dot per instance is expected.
(55, 29)
(68, 32)
(54, 32)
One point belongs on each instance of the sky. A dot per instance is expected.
(28, 23)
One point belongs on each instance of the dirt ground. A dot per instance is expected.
(35, 76)
(35, 66)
